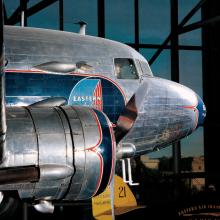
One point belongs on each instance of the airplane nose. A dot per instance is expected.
(201, 110)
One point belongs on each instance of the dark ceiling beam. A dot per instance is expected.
(136, 24)
(159, 46)
(199, 24)
(16, 16)
(182, 23)
(61, 16)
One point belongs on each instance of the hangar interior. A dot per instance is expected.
(180, 40)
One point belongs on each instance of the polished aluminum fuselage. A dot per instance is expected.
(164, 111)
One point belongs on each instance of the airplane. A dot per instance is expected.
(73, 104)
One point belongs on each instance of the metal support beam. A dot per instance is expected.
(174, 39)
(3, 126)
(182, 23)
(15, 18)
(5, 12)
(196, 25)
(61, 14)
(101, 18)
(136, 24)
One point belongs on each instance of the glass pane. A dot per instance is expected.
(119, 17)
(147, 53)
(191, 70)
(165, 152)
(191, 38)
(125, 69)
(154, 21)
(32, 3)
(75, 11)
(46, 18)
(185, 7)
(193, 145)
(145, 68)
(11, 6)
(191, 76)
(161, 67)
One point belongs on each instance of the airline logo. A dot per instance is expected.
(88, 92)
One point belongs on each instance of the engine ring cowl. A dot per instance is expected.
(73, 148)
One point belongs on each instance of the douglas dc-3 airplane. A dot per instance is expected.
(73, 104)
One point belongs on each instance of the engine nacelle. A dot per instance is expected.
(72, 148)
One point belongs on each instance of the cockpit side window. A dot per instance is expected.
(125, 68)
(145, 68)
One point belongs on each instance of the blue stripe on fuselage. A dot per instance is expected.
(27, 88)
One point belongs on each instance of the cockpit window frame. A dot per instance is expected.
(147, 73)
(133, 62)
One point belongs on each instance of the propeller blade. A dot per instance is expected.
(129, 115)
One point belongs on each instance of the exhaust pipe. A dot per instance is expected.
(2, 88)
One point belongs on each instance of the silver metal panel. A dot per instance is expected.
(167, 113)
(92, 137)
(20, 128)
(69, 140)
(52, 151)
(22, 51)
(92, 176)
(79, 154)
(89, 125)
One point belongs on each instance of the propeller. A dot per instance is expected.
(128, 117)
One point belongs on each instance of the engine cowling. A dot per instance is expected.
(71, 147)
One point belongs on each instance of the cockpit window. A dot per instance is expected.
(125, 69)
(145, 68)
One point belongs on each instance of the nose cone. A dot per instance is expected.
(201, 110)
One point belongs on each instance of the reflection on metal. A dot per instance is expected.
(130, 180)
(1, 197)
(55, 172)
(70, 149)
(60, 67)
(50, 102)
(125, 150)
(19, 175)
(44, 207)
(82, 65)
(158, 113)
(57, 67)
